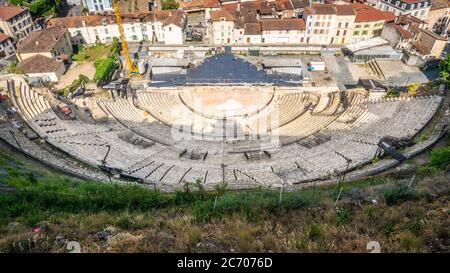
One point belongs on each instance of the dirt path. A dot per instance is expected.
(74, 71)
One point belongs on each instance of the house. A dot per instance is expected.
(282, 31)
(16, 22)
(417, 8)
(42, 67)
(7, 49)
(221, 27)
(52, 42)
(173, 28)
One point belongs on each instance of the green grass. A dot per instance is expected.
(92, 53)
(252, 220)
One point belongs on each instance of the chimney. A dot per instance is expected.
(37, 43)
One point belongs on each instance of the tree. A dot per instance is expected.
(44, 7)
(444, 68)
(169, 4)
(116, 47)
(104, 68)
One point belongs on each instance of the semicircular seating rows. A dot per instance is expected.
(158, 139)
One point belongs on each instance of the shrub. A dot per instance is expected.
(398, 195)
(315, 232)
(343, 216)
(104, 68)
(440, 158)
(82, 79)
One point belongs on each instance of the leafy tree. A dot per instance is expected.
(444, 68)
(115, 47)
(169, 4)
(39, 7)
(104, 68)
(17, 2)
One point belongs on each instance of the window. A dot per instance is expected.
(106, 31)
(356, 33)
(339, 25)
(358, 26)
(364, 32)
(338, 33)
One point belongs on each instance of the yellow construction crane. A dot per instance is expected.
(134, 71)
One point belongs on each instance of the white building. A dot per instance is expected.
(6, 47)
(252, 33)
(221, 27)
(417, 8)
(16, 22)
(320, 22)
(282, 31)
(98, 5)
(157, 26)
(173, 28)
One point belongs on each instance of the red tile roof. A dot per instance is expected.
(321, 9)
(282, 24)
(345, 10)
(38, 64)
(252, 29)
(365, 13)
(217, 14)
(389, 16)
(8, 11)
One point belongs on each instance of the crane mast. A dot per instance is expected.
(132, 68)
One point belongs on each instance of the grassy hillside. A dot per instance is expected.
(40, 211)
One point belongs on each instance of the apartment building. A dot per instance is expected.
(320, 22)
(7, 49)
(369, 22)
(417, 8)
(345, 21)
(16, 22)
(157, 26)
(221, 27)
